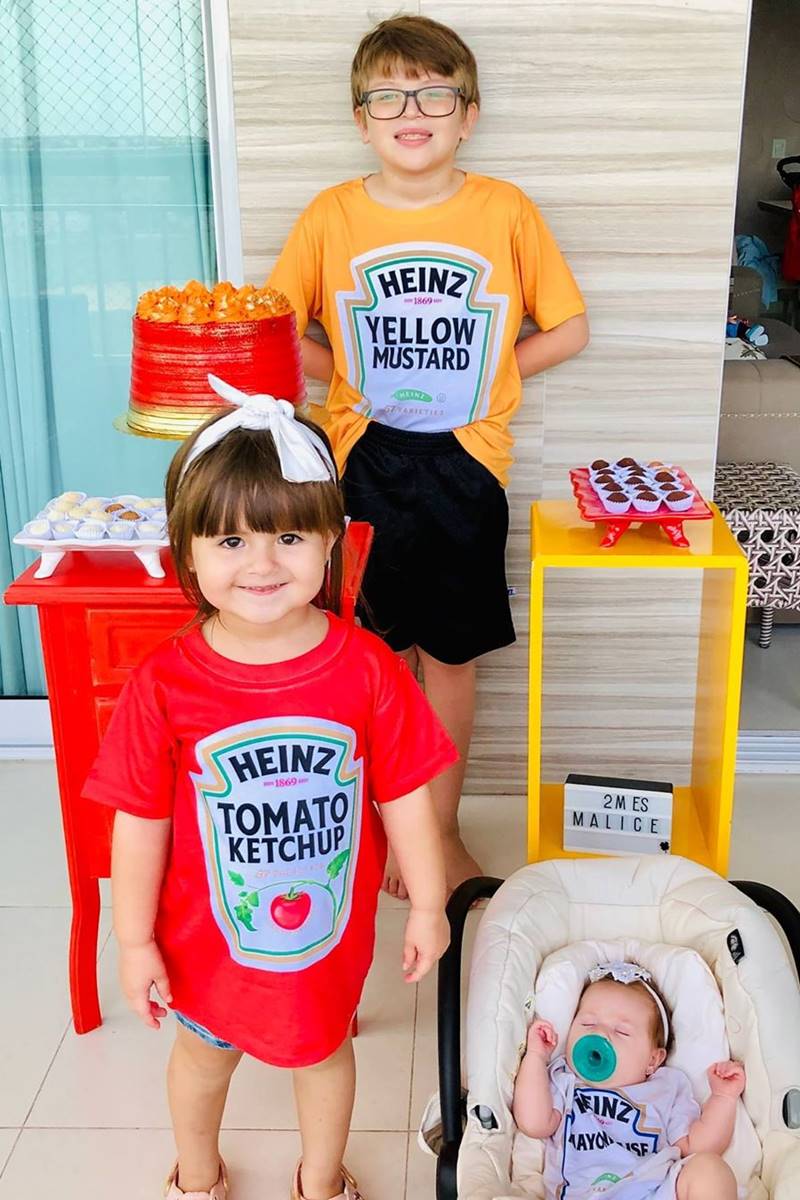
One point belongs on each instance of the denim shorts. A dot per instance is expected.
(202, 1032)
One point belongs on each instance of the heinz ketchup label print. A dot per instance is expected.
(279, 814)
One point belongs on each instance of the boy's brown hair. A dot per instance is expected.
(416, 44)
(237, 484)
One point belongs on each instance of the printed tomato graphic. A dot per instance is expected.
(291, 910)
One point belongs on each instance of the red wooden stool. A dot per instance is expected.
(99, 615)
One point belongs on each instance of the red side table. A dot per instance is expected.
(99, 615)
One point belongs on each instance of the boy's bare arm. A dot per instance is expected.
(532, 1106)
(546, 349)
(317, 359)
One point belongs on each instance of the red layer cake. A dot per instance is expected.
(247, 337)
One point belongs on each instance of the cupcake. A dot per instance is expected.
(121, 530)
(38, 529)
(91, 531)
(64, 528)
(150, 531)
(616, 502)
(679, 501)
(646, 501)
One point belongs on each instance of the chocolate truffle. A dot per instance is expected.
(599, 464)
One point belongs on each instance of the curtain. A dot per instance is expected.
(104, 192)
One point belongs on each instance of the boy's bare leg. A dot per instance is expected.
(324, 1097)
(198, 1076)
(392, 881)
(451, 692)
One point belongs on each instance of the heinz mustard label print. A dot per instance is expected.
(422, 334)
(279, 812)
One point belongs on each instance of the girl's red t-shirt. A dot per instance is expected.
(270, 775)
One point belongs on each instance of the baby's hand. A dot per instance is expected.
(542, 1039)
(726, 1079)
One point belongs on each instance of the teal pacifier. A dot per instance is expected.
(594, 1058)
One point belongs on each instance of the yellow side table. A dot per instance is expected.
(703, 810)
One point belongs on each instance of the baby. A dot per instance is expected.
(617, 1121)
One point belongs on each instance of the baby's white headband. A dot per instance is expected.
(302, 454)
(628, 972)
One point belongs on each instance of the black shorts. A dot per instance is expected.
(436, 574)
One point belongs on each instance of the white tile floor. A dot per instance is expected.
(85, 1117)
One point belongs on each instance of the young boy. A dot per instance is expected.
(420, 275)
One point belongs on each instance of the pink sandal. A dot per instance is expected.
(350, 1192)
(218, 1192)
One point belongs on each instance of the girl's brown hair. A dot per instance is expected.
(237, 484)
(417, 44)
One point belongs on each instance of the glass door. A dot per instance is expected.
(105, 190)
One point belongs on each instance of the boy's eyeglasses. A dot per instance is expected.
(384, 104)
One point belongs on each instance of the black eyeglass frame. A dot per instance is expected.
(442, 87)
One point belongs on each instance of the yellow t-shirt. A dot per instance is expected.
(422, 308)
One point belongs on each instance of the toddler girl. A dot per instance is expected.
(617, 1121)
(257, 762)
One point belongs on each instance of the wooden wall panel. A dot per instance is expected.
(622, 121)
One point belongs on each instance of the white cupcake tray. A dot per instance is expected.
(52, 550)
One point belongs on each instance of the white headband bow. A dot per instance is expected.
(628, 972)
(302, 454)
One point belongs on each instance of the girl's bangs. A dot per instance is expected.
(244, 490)
(282, 507)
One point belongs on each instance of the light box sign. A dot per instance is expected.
(617, 816)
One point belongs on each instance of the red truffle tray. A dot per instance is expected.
(591, 509)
